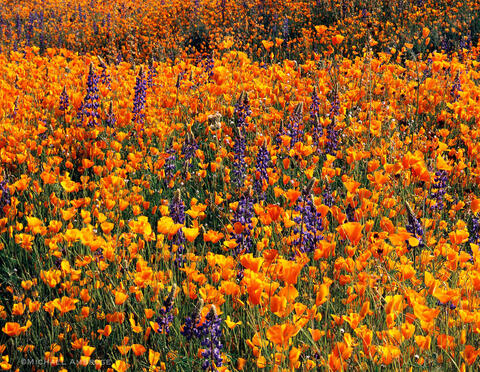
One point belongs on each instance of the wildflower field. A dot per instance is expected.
(239, 185)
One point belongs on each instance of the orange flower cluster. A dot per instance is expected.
(225, 213)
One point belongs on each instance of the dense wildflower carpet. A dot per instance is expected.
(239, 185)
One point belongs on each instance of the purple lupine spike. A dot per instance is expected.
(189, 148)
(242, 111)
(211, 334)
(439, 189)
(456, 88)
(285, 30)
(177, 208)
(414, 227)
(111, 120)
(328, 197)
(5, 198)
(139, 99)
(350, 212)
(314, 112)
(166, 317)
(309, 222)
(208, 64)
(177, 213)
(278, 136)
(261, 174)
(293, 126)
(243, 215)
(89, 108)
(474, 230)
(64, 101)
(191, 327)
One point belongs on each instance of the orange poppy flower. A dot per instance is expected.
(106, 331)
(120, 298)
(322, 294)
(470, 354)
(337, 39)
(280, 334)
(65, 304)
(120, 366)
(12, 329)
(267, 44)
(190, 233)
(153, 357)
(351, 231)
(138, 349)
(293, 195)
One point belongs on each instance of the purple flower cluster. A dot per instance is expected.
(177, 213)
(456, 88)
(208, 64)
(474, 231)
(263, 159)
(111, 120)
(242, 111)
(89, 108)
(104, 77)
(169, 165)
(328, 197)
(188, 149)
(211, 334)
(293, 127)
(309, 224)
(139, 98)
(166, 317)
(414, 227)
(350, 212)
(314, 112)
(64, 100)
(240, 167)
(5, 199)
(439, 189)
(243, 215)
(190, 328)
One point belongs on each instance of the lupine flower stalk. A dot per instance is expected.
(111, 120)
(439, 189)
(211, 334)
(314, 112)
(139, 98)
(5, 198)
(177, 213)
(166, 317)
(293, 129)
(191, 326)
(309, 222)
(243, 219)
(414, 227)
(242, 111)
(261, 174)
(89, 108)
(64, 100)
(104, 77)
(188, 150)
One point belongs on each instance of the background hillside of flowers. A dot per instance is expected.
(239, 185)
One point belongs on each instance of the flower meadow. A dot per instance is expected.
(239, 185)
